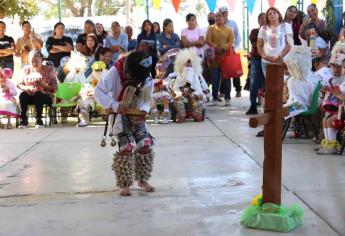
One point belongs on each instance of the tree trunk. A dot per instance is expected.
(89, 6)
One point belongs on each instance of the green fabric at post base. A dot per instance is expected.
(272, 217)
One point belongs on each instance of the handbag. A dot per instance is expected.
(231, 65)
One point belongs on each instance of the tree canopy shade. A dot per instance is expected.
(24, 9)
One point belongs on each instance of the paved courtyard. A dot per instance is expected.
(58, 181)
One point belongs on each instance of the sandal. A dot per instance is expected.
(260, 134)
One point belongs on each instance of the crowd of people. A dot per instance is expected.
(184, 67)
(185, 83)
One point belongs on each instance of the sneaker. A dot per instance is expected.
(156, 120)
(165, 120)
(39, 124)
(82, 123)
(214, 103)
(238, 94)
(227, 102)
(252, 111)
(23, 126)
(327, 151)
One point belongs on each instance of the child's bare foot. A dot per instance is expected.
(146, 186)
(125, 191)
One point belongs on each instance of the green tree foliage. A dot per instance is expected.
(24, 9)
(329, 14)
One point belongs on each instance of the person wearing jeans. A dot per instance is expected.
(256, 76)
(38, 85)
(220, 38)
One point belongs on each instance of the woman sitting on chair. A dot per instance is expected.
(38, 85)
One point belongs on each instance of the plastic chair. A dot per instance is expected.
(312, 110)
(66, 92)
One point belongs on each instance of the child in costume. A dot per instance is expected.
(127, 91)
(8, 91)
(334, 91)
(302, 81)
(189, 87)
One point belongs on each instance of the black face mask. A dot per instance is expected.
(211, 21)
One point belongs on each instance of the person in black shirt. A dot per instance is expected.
(89, 28)
(59, 46)
(7, 48)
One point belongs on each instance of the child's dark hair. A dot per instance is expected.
(91, 51)
(2, 23)
(166, 22)
(190, 16)
(100, 52)
(159, 27)
(134, 69)
(313, 26)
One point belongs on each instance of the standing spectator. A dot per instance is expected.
(27, 43)
(274, 39)
(233, 25)
(117, 40)
(193, 36)
(132, 43)
(146, 41)
(59, 46)
(256, 75)
(291, 18)
(221, 38)
(156, 28)
(38, 87)
(211, 18)
(7, 48)
(101, 31)
(89, 28)
(313, 17)
(168, 39)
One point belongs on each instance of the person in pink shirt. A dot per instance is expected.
(193, 36)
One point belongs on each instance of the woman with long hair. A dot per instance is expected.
(147, 41)
(58, 45)
(291, 18)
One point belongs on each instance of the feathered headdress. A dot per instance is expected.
(299, 61)
(186, 55)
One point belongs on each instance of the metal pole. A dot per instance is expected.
(338, 11)
(128, 6)
(147, 10)
(243, 24)
(261, 6)
(59, 9)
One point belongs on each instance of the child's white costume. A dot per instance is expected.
(135, 156)
(189, 86)
(303, 81)
(8, 105)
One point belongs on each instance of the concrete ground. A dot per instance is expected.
(58, 181)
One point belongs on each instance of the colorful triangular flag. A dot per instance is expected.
(156, 4)
(250, 5)
(211, 4)
(176, 4)
(232, 4)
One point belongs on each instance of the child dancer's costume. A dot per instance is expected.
(134, 158)
(189, 87)
(8, 105)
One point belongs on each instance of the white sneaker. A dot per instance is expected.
(327, 151)
(214, 103)
(165, 120)
(39, 126)
(23, 127)
(227, 102)
(83, 123)
(156, 120)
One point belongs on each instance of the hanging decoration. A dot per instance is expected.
(293, 2)
(271, 3)
(211, 4)
(138, 2)
(176, 4)
(314, 1)
(156, 4)
(250, 5)
(232, 4)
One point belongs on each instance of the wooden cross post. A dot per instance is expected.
(273, 127)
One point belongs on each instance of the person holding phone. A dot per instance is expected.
(27, 43)
(313, 17)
